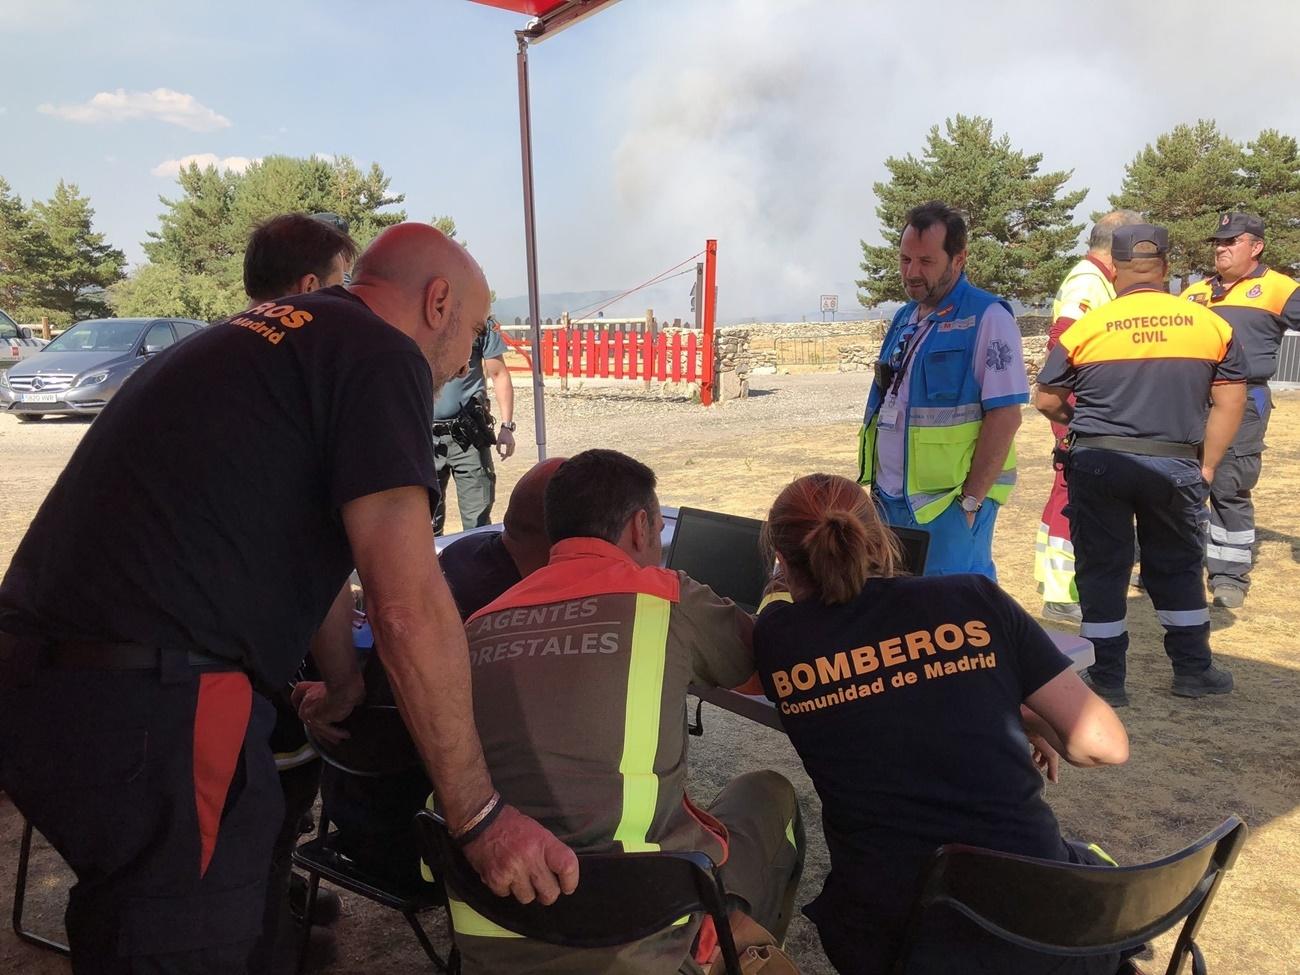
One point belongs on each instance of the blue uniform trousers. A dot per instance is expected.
(955, 545)
(1110, 491)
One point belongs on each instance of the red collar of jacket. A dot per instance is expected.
(582, 567)
(1107, 272)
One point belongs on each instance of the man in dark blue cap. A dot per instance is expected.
(1260, 304)
(1159, 388)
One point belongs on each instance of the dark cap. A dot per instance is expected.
(1127, 238)
(333, 219)
(1232, 224)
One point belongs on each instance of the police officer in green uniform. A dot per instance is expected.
(463, 434)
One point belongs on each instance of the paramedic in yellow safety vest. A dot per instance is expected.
(1159, 389)
(937, 439)
(1089, 285)
(580, 676)
(1260, 304)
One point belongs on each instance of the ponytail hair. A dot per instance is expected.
(826, 531)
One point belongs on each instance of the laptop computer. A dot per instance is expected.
(722, 552)
(915, 545)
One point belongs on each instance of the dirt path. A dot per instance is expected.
(1192, 762)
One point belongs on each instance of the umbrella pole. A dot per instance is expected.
(530, 243)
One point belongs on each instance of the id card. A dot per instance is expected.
(888, 417)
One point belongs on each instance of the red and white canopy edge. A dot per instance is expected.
(549, 17)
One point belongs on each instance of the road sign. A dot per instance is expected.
(830, 303)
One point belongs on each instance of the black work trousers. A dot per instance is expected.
(159, 790)
(1110, 492)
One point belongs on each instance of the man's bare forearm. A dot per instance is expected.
(423, 649)
(996, 436)
(331, 645)
(1227, 409)
(1054, 403)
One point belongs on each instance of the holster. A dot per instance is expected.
(479, 427)
(1061, 456)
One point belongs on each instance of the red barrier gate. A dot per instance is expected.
(624, 348)
(615, 349)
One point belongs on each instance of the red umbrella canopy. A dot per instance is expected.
(534, 8)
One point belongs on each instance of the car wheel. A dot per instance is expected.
(30, 417)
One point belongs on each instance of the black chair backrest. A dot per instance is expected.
(621, 897)
(378, 743)
(1069, 909)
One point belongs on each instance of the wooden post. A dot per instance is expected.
(45, 327)
(648, 344)
(675, 354)
(692, 341)
(708, 380)
(564, 352)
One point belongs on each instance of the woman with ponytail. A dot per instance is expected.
(920, 708)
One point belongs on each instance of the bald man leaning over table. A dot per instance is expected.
(247, 472)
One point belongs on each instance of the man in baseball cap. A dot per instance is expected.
(1260, 304)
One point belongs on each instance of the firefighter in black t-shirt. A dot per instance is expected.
(293, 254)
(1159, 387)
(913, 703)
(203, 529)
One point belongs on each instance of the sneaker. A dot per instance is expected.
(326, 909)
(1064, 612)
(1229, 597)
(1114, 695)
(1212, 680)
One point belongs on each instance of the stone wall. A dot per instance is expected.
(732, 363)
(862, 358)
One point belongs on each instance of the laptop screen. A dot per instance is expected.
(722, 552)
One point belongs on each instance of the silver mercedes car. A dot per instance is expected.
(79, 371)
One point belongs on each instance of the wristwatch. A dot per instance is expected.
(508, 426)
(969, 503)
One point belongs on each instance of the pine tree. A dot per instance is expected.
(1020, 221)
(1271, 172)
(1183, 182)
(17, 252)
(75, 264)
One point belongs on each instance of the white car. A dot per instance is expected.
(16, 342)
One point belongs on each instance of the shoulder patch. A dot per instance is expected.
(1255, 292)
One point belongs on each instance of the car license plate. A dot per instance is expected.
(40, 398)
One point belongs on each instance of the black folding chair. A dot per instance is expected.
(621, 897)
(1067, 909)
(378, 746)
(20, 897)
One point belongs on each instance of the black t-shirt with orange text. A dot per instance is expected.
(201, 511)
(904, 706)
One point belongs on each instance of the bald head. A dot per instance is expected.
(1103, 231)
(425, 284)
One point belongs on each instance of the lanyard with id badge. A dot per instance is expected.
(890, 374)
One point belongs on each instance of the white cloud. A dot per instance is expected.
(231, 164)
(163, 104)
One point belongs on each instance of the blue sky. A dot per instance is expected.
(657, 123)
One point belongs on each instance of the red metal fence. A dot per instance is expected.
(627, 348)
(617, 349)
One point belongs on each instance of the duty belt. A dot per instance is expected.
(443, 428)
(1140, 445)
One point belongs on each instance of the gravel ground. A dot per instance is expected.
(1192, 762)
